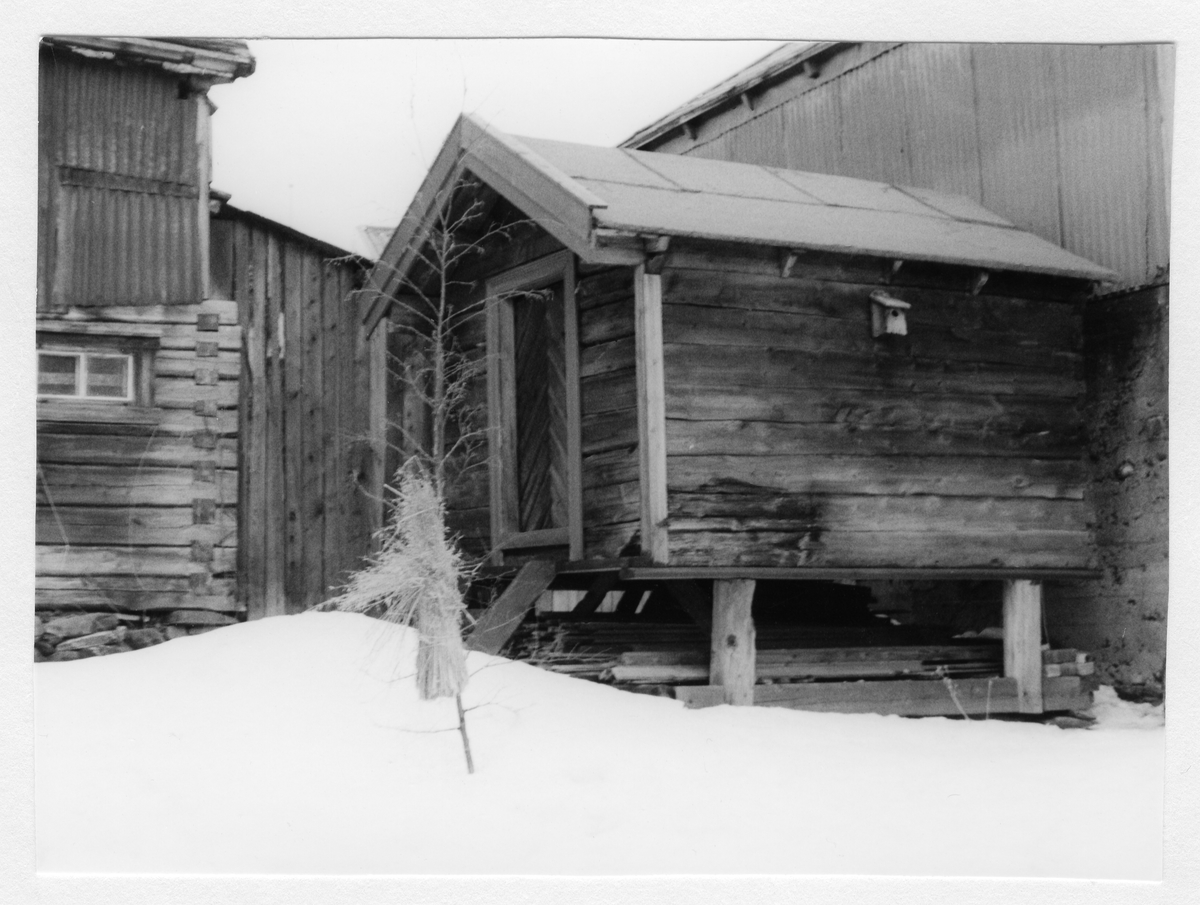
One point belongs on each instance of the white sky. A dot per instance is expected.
(331, 135)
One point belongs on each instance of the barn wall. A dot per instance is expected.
(122, 185)
(137, 506)
(1123, 617)
(312, 471)
(795, 438)
(608, 391)
(1069, 141)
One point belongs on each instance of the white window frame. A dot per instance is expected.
(82, 356)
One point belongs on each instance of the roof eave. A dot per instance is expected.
(192, 59)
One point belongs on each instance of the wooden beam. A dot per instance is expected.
(1023, 641)
(787, 261)
(574, 412)
(652, 417)
(628, 604)
(501, 619)
(732, 652)
(601, 585)
(693, 600)
(843, 573)
(976, 697)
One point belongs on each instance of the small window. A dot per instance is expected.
(88, 376)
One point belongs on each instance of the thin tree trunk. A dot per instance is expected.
(462, 728)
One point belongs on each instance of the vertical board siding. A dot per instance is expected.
(116, 515)
(1070, 142)
(304, 525)
(120, 185)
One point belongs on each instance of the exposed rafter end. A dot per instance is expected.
(896, 265)
(810, 69)
(747, 101)
(979, 282)
(688, 129)
(655, 248)
(787, 261)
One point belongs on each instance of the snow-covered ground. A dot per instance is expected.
(297, 745)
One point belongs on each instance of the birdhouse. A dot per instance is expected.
(887, 315)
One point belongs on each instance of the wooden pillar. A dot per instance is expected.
(652, 413)
(1023, 641)
(732, 661)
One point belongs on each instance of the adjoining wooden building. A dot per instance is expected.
(1071, 142)
(200, 412)
(703, 374)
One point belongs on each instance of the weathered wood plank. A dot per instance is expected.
(252, 280)
(182, 393)
(149, 452)
(616, 391)
(605, 358)
(759, 438)
(127, 584)
(293, 403)
(153, 526)
(313, 434)
(883, 407)
(1023, 642)
(900, 475)
(788, 549)
(274, 489)
(732, 652)
(652, 442)
(134, 601)
(612, 320)
(915, 697)
(611, 430)
(501, 619)
(113, 560)
(99, 485)
(608, 541)
(750, 510)
(753, 366)
(613, 467)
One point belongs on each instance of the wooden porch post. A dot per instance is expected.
(732, 661)
(652, 417)
(1023, 641)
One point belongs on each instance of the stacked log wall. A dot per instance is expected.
(137, 506)
(608, 395)
(796, 438)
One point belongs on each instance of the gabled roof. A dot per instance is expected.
(595, 200)
(214, 59)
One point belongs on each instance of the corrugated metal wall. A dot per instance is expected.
(123, 165)
(1068, 141)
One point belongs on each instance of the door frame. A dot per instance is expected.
(502, 292)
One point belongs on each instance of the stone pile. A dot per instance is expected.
(75, 636)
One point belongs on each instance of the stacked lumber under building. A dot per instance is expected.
(660, 657)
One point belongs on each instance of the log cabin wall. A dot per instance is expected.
(137, 504)
(608, 394)
(311, 478)
(796, 438)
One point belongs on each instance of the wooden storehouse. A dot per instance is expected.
(701, 375)
(1072, 142)
(200, 417)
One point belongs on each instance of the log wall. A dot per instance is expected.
(608, 393)
(796, 438)
(137, 505)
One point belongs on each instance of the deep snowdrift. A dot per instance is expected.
(295, 745)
